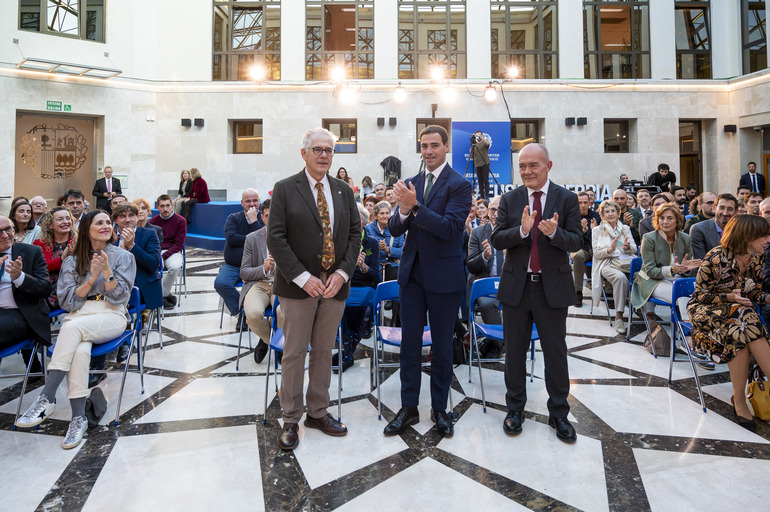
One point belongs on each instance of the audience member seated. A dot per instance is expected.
(588, 221)
(21, 216)
(94, 286)
(613, 247)
(742, 191)
(645, 200)
(486, 261)
(367, 188)
(174, 234)
(75, 203)
(358, 307)
(17, 199)
(379, 191)
(764, 208)
(741, 209)
(342, 174)
(631, 203)
(390, 198)
(664, 178)
(198, 194)
(237, 226)
(39, 207)
(645, 225)
(705, 210)
(471, 221)
(752, 201)
(666, 255)
(680, 197)
(482, 215)
(58, 237)
(369, 202)
(142, 219)
(185, 187)
(257, 272)
(630, 217)
(105, 190)
(116, 200)
(24, 288)
(390, 247)
(704, 236)
(726, 326)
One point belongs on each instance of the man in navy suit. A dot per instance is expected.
(432, 207)
(538, 224)
(237, 226)
(105, 189)
(753, 179)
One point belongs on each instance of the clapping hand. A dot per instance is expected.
(13, 267)
(627, 246)
(584, 224)
(406, 196)
(527, 221)
(593, 223)
(628, 218)
(127, 241)
(268, 264)
(548, 226)
(613, 245)
(487, 249)
(685, 266)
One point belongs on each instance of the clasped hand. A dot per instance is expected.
(99, 264)
(738, 298)
(315, 287)
(685, 266)
(546, 226)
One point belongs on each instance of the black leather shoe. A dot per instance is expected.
(512, 422)
(564, 429)
(405, 417)
(96, 378)
(288, 440)
(328, 425)
(443, 422)
(579, 301)
(260, 352)
(122, 354)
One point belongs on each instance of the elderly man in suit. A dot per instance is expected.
(706, 235)
(432, 208)
(753, 179)
(237, 226)
(315, 239)
(24, 288)
(257, 272)
(539, 224)
(105, 189)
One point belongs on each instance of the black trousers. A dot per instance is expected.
(14, 328)
(482, 174)
(552, 327)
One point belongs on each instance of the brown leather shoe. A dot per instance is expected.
(327, 425)
(288, 440)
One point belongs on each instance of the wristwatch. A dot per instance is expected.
(416, 208)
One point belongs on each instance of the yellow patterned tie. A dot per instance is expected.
(327, 256)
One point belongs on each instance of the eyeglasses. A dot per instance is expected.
(8, 231)
(37, 204)
(317, 150)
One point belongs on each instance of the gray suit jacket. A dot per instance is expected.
(704, 237)
(295, 234)
(252, 269)
(476, 265)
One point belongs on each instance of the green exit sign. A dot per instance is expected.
(57, 106)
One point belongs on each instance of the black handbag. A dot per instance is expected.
(96, 406)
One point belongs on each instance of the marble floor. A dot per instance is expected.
(197, 438)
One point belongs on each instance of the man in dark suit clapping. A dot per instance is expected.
(432, 209)
(315, 239)
(538, 223)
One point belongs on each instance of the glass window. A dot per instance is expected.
(524, 131)
(431, 38)
(339, 35)
(616, 135)
(616, 35)
(247, 136)
(693, 42)
(346, 132)
(444, 122)
(524, 39)
(754, 33)
(81, 19)
(246, 40)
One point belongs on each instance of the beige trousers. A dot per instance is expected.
(312, 321)
(619, 282)
(95, 322)
(256, 301)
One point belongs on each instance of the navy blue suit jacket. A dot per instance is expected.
(436, 232)
(236, 229)
(146, 251)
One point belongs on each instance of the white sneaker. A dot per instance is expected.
(75, 432)
(620, 326)
(37, 412)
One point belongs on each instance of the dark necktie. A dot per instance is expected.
(327, 255)
(498, 262)
(428, 188)
(754, 187)
(534, 255)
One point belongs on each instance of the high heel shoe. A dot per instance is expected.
(746, 423)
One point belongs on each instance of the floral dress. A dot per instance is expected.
(720, 328)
